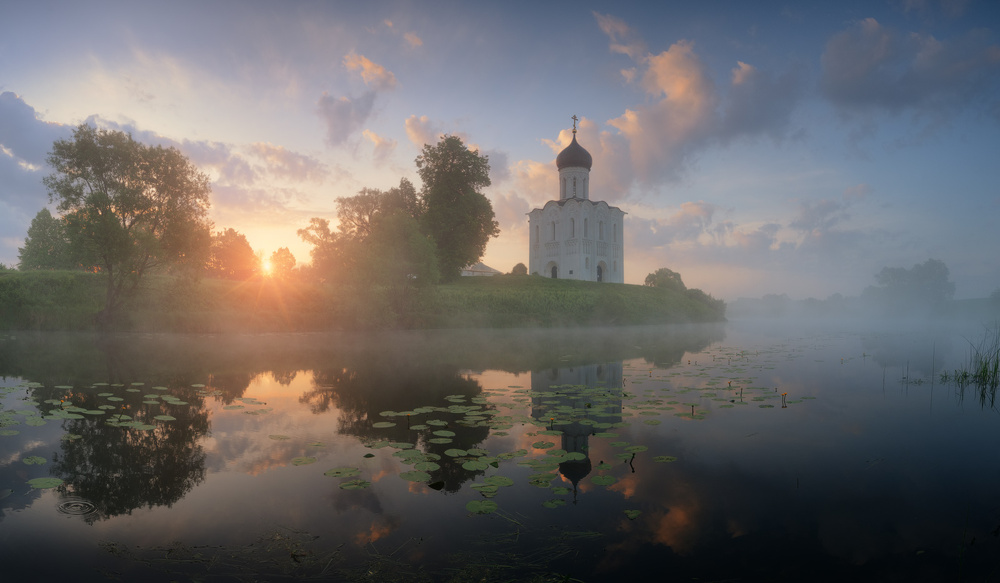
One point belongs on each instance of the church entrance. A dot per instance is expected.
(600, 273)
(554, 272)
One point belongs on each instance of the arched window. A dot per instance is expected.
(600, 273)
(553, 230)
(574, 186)
(584, 227)
(614, 229)
(572, 228)
(555, 272)
(600, 230)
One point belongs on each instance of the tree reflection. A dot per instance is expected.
(367, 388)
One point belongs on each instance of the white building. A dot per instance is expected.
(575, 237)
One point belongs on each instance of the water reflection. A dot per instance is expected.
(574, 400)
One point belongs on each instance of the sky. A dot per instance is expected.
(756, 147)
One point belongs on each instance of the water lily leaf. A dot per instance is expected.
(636, 448)
(303, 461)
(6, 432)
(633, 514)
(165, 418)
(475, 465)
(440, 440)
(454, 452)
(354, 485)
(34, 460)
(603, 480)
(415, 476)
(664, 459)
(383, 424)
(342, 472)
(481, 506)
(499, 481)
(42, 483)
(542, 444)
(444, 433)
(554, 503)
(427, 466)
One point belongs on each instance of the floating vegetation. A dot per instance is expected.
(603, 480)
(354, 485)
(34, 460)
(481, 506)
(664, 459)
(633, 514)
(383, 425)
(343, 472)
(44, 483)
(303, 461)
(278, 437)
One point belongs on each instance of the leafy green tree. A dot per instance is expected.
(664, 278)
(399, 259)
(282, 263)
(924, 285)
(47, 244)
(333, 254)
(232, 257)
(458, 218)
(132, 208)
(519, 269)
(357, 214)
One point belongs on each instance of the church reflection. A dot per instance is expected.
(577, 401)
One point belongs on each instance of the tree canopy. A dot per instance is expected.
(47, 245)
(457, 217)
(131, 208)
(664, 278)
(231, 256)
(924, 285)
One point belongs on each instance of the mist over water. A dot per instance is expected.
(759, 449)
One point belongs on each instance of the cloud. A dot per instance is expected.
(24, 134)
(286, 164)
(685, 111)
(871, 67)
(623, 39)
(413, 39)
(373, 74)
(344, 116)
(499, 166)
(421, 131)
(383, 146)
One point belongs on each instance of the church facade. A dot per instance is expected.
(574, 237)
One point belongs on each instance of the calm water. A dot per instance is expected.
(739, 452)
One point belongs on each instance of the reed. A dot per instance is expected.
(982, 371)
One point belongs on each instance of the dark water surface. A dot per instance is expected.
(740, 452)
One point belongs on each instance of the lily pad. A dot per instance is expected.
(34, 460)
(278, 437)
(633, 514)
(354, 485)
(342, 472)
(481, 506)
(303, 461)
(383, 424)
(42, 483)
(603, 480)
(165, 418)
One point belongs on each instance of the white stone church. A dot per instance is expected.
(575, 237)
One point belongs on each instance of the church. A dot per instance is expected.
(575, 237)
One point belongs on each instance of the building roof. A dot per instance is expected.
(574, 156)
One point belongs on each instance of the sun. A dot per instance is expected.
(266, 268)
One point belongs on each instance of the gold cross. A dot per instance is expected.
(574, 123)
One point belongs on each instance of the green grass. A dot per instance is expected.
(69, 300)
(982, 371)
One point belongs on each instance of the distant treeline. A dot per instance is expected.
(924, 290)
(69, 300)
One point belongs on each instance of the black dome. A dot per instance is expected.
(574, 156)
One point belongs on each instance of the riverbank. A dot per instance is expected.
(69, 300)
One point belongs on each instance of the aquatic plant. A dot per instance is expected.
(982, 371)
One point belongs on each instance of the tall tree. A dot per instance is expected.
(133, 208)
(282, 263)
(232, 257)
(332, 254)
(357, 214)
(457, 216)
(665, 278)
(47, 244)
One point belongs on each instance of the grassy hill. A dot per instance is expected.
(69, 300)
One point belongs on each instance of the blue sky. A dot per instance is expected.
(757, 147)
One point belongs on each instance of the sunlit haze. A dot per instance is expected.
(756, 147)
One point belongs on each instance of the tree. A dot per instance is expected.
(47, 244)
(332, 255)
(519, 269)
(357, 214)
(457, 217)
(232, 257)
(282, 263)
(132, 208)
(664, 278)
(925, 284)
